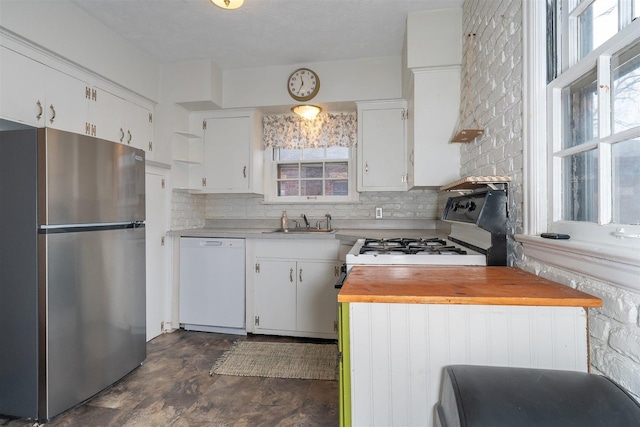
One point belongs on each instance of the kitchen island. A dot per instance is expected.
(402, 324)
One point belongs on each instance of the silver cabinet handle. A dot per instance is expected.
(39, 104)
(121, 135)
(244, 171)
(366, 167)
(130, 136)
(300, 275)
(291, 275)
(53, 113)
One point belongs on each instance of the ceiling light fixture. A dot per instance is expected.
(228, 4)
(307, 111)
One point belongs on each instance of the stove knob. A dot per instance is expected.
(472, 206)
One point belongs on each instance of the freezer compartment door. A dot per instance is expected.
(93, 332)
(87, 180)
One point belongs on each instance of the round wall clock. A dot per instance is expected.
(303, 84)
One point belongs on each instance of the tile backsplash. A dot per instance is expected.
(191, 210)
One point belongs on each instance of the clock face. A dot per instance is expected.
(303, 84)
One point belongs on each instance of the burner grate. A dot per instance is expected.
(409, 246)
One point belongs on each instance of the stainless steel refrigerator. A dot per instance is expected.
(72, 268)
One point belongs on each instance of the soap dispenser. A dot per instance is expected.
(284, 221)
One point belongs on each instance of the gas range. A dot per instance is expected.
(412, 251)
(478, 221)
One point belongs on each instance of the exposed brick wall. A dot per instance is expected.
(493, 83)
(496, 88)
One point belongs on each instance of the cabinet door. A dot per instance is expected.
(227, 145)
(156, 226)
(382, 150)
(317, 297)
(139, 126)
(67, 106)
(22, 89)
(275, 295)
(107, 114)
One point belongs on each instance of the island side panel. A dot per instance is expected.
(398, 351)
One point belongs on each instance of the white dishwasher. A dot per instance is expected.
(212, 285)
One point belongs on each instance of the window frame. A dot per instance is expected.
(592, 249)
(271, 181)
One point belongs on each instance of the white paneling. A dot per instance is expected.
(382, 364)
(418, 350)
(398, 351)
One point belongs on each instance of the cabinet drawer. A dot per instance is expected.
(297, 249)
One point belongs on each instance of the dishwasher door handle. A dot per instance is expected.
(211, 243)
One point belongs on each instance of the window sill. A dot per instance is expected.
(611, 264)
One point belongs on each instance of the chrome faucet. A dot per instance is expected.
(327, 220)
(306, 221)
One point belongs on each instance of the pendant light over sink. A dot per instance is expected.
(228, 4)
(307, 111)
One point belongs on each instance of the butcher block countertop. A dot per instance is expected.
(458, 285)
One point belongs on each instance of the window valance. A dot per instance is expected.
(326, 130)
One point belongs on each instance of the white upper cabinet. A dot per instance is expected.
(233, 152)
(433, 55)
(436, 95)
(119, 120)
(38, 95)
(382, 146)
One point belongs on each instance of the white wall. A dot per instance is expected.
(496, 86)
(340, 81)
(63, 28)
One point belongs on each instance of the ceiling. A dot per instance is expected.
(262, 32)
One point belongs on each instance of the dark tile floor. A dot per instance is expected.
(173, 388)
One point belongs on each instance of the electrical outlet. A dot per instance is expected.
(378, 213)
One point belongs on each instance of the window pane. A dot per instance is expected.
(288, 188)
(311, 188)
(580, 111)
(597, 24)
(336, 152)
(338, 187)
(336, 170)
(311, 170)
(313, 154)
(288, 171)
(636, 9)
(625, 92)
(626, 182)
(286, 154)
(580, 187)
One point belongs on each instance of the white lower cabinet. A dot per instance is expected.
(294, 290)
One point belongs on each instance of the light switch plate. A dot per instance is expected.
(378, 213)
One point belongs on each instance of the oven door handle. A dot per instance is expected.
(342, 277)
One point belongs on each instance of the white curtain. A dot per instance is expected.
(326, 130)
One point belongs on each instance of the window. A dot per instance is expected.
(594, 119)
(311, 175)
(310, 160)
(312, 172)
(582, 138)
